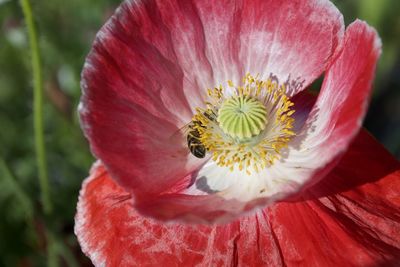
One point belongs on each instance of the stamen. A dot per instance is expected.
(248, 129)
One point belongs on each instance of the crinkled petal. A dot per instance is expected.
(354, 221)
(348, 219)
(152, 62)
(112, 233)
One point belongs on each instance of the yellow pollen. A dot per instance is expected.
(248, 129)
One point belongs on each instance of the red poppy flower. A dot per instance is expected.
(212, 152)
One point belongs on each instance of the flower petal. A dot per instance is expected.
(293, 40)
(152, 61)
(338, 112)
(354, 221)
(348, 219)
(112, 233)
(134, 97)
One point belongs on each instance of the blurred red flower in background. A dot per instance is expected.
(266, 173)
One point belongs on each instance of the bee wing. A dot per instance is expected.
(181, 134)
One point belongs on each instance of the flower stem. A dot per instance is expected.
(37, 107)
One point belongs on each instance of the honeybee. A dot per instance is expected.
(194, 144)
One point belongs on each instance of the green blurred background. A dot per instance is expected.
(66, 31)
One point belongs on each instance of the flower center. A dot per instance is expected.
(246, 128)
(242, 117)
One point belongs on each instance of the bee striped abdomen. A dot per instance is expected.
(194, 144)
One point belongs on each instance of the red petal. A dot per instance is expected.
(152, 61)
(111, 233)
(353, 222)
(135, 98)
(340, 108)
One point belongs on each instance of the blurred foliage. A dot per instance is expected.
(66, 30)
